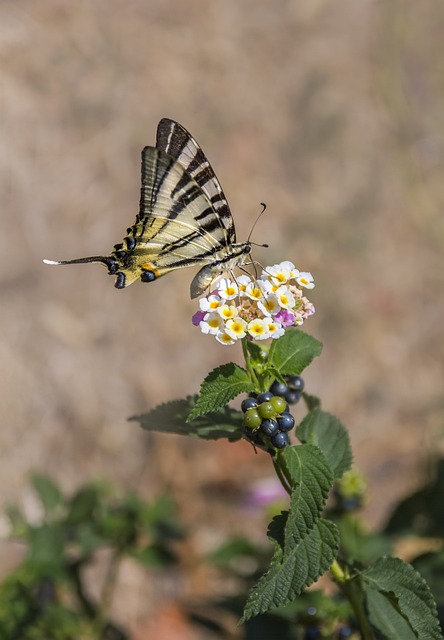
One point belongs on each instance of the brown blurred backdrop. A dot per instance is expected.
(332, 114)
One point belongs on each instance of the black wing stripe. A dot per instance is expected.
(177, 142)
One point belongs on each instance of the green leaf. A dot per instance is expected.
(154, 556)
(326, 432)
(46, 550)
(219, 387)
(294, 351)
(289, 574)
(48, 492)
(312, 402)
(312, 479)
(83, 505)
(305, 545)
(399, 601)
(171, 417)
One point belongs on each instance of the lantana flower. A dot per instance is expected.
(256, 309)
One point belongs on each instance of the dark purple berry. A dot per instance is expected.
(269, 427)
(296, 383)
(253, 436)
(264, 397)
(312, 633)
(249, 403)
(345, 632)
(293, 396)
(287, 409)
(280, 440)
(285, 422)
(279, 388)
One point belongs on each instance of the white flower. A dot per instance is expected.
(253, 291)
(236, 328)
(227, 311)
(211, 323)
(258, 329)
(285, 297)
(210, 303)
(242, 282)
(279, 274)
(227, 290)
(224, 338)
(305, 279)
(275, 328)
(270, 305)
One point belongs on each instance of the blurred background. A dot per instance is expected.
(332, 114)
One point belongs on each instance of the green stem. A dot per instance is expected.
(281, 472)
(352, 591)
(250, 367)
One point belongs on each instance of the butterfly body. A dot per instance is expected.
(184, 219)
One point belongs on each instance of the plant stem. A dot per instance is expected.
(250, 367)
(352, 591)
(281, 472)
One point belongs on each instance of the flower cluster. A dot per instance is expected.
(258, 309)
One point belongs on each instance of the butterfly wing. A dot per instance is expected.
(177, 225)
(177, 142)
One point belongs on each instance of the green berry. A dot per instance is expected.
(278, 403)
(266, 410)
(252, 419)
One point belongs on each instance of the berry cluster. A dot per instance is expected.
(267, 417)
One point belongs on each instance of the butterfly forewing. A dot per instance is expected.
(176, 226)
(179, 144)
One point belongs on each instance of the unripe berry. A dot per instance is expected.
(266, 410)
(278, 403)
(252, 419)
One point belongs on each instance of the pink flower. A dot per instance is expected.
(198, 317)
(286, 318)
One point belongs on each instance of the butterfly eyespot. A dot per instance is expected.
(247, 248)
(120, 281)
(130, 243)
(121, 253)
(148, 276)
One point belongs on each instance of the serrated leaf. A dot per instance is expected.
(312, 479)
(312, 402)
(405, 597)
(326, 432)
(289, 574)
(219, 387)
(48, 492)
(171, 417)
(294, 351)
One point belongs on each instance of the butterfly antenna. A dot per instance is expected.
(264, 206)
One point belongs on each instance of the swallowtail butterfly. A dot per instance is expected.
(184, 219)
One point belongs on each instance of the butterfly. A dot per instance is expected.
(184, 219)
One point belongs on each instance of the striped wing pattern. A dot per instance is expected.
(183, 219)
(180, 145)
